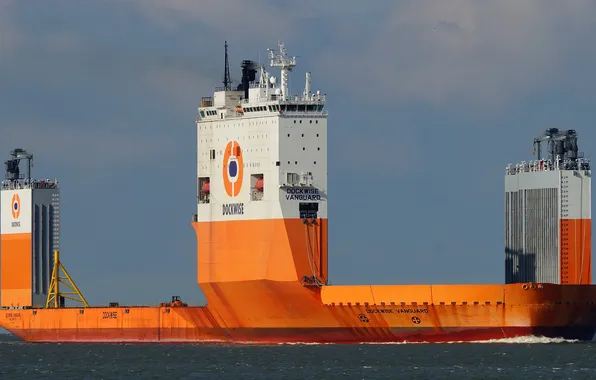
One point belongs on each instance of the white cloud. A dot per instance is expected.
(244, 19)
(486, 53)
(249, 27)
(482, 53)
(244, 23)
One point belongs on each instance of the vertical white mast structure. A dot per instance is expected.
(286, 64)
(306, 94)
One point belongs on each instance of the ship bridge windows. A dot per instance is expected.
(284, 108)
(264, 108)
(208, 113)
(302, 107)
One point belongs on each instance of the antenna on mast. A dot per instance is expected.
(285, 63)
(13, 172)
(227, 82)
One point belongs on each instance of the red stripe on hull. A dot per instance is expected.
(296, 335)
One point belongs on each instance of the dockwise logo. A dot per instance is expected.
(16, 206)
(233, 169)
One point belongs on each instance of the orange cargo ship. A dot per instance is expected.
(261, 229)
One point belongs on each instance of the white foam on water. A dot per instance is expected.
(302, 343)
(529, 339)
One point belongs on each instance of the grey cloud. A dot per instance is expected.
(9, 36)
(67, 92)
(85, 149)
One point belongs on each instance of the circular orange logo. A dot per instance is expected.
(233, 169)
(16, 206)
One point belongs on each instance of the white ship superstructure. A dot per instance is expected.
(30, 226)
(262, 157)
(548, 214)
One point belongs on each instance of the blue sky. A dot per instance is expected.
(428, 102)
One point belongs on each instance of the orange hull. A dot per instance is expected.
(335, 314)
(256, 293)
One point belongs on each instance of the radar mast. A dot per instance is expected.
(286, 64)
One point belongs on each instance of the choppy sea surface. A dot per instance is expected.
(520, 358)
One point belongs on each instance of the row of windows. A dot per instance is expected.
(258, 165)
(270, 108)
(316, 122)
(240, 138)
(274, 108)
(303, 135)
(296, 162)
(255, 150)
(210, 126)
(247, 150)
(286, 108)
(249, 137)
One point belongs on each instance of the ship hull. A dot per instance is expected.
(303, 335)
(266, 312)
